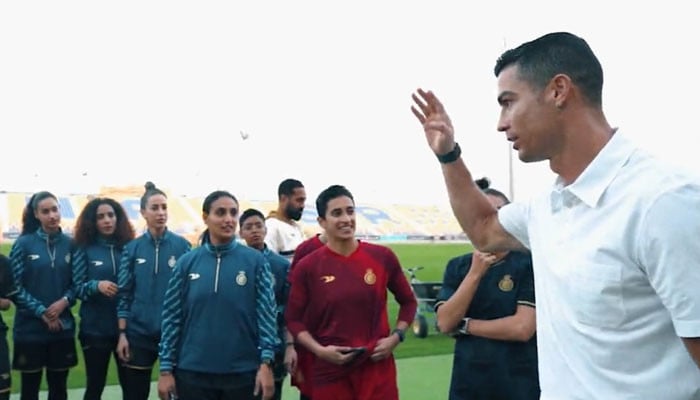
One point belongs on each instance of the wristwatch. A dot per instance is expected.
(269, 362)
(451, 156)
(400, 333)
(463, 326)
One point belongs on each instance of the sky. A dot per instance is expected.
(117, 93)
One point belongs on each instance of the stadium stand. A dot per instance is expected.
(394, 222)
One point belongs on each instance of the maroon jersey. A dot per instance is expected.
(301, 378)
(342, 301)
(306, 247)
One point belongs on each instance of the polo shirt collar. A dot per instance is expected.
(599, 174)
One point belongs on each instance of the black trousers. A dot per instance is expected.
(203, 386)
(96, 366)
(185, 391)
(56, 381)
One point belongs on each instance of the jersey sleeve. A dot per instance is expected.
(398, 285)
(23, 298)
(298, 299)
(266, 312)
(7, 284)
(85, 288)
(526, 290)
(172, 317)
(451, 279)
(125, 281)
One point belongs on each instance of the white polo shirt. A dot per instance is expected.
(616, 258)
(282, 237)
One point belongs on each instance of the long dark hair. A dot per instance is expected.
(86, 232)
(30, 223)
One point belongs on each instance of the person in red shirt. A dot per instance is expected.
(301, 367)
(337, 307)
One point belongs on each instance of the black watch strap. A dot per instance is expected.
(452, 156)
(400, 333)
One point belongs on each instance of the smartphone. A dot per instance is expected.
(355, 350)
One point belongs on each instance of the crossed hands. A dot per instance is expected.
(52, 313)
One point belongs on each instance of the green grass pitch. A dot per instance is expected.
(432, 256)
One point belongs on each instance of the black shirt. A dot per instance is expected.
(487, 368)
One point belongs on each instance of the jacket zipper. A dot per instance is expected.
(157, 249)
(114, 264)
(216, 278)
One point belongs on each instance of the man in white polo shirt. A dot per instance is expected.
(617, 267)
(284, 233)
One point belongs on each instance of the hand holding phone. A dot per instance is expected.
(354, 350)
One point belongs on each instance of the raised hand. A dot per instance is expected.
(481, 262)
(436, 123)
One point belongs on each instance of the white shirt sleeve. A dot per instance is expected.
(272, 237)
(670, 255)
(514, 219)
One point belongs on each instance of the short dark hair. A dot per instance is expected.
(287, 186)
(251, 212)
(539, 60)
(330, 193)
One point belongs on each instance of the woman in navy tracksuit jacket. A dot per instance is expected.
(219, 325)
(44, 328)
(144, 271)
(7, 292)
(101, 232)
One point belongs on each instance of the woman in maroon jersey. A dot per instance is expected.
(337, 307)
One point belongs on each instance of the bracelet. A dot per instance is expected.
(290, 344)
(452, 156)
